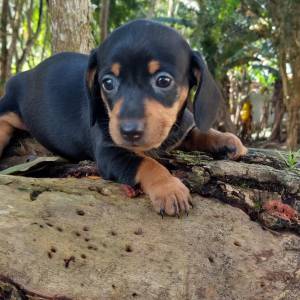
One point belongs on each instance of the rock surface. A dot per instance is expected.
(84, 239)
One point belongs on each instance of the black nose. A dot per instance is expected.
(132, 130)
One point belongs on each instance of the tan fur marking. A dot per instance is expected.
(150, 172)
(114, 122)
(104, 99)
(212, 141)
(183, 95)
(8, 123)
(116, 68)
(166, 192)
(158, 119)
(153, 66)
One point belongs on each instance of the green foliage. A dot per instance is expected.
(292, 160)
(123, 11)
(225, 35)
(41, 48)
(120, 12)
(229, 33)
(37, 47)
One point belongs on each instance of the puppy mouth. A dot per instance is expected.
(140, 145)
(150, 139)
(137, 146)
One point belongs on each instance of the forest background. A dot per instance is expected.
(252, 48)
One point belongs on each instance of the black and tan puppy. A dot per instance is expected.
(127, 98)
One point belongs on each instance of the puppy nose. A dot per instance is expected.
(132, 129)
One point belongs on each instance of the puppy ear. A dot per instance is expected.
(207, 96)
(92, 86)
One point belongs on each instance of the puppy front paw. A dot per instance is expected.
(170, 197)
(167, 193)
(226, 143)
(233, 144)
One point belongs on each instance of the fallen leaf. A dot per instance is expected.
(38, 163)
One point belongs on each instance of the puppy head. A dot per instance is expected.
(143, 73)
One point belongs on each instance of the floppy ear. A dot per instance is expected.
(207, 96)
(92, 86)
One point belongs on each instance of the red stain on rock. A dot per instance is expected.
(278, 209)
(130, 191)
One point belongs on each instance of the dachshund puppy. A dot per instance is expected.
(118, 104)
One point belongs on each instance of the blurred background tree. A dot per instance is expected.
(252, 47)
(69, 22)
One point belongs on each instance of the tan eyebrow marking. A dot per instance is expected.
(116, 68)
(153, 66)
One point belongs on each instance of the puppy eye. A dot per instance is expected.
(163, 80)
(109, 83)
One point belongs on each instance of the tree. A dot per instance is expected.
(23, 36)
(4, 50)
(286, 39)
(282, 25)
(71, 33)
(104, 15)
(279, 110)
(226, 40)
(32, 35)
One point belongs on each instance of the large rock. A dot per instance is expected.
(84, 239)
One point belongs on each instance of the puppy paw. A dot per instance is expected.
(229, 144)
(170, 197)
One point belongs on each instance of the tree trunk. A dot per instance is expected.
(70, 25)
(170, 8)
(104, 15)
(287, 39)
(291, 91)
(279, 111)
(15, 28)
(16, 20)
(151, 9)
(4, 50)
(223, 121)
(32, 35)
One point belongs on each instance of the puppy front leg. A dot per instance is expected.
(167, 193)
(214, 141)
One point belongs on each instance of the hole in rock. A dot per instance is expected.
(69, 260)
(92, 247)
(211, 259)
(80, 212)
(237, 243)
(59, 229)
(128, 248)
